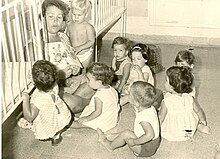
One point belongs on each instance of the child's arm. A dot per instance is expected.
(162, 113)
(125, 76)
(142, 76)
(91, 39)
(199, 111)
(149, 135)
(94, 114)
(30, 111)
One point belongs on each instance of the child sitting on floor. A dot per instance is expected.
(179, 115)
(186, 58)
(102, 111)
(46, 110)
(145, 139)
(121, 63)
(140, 71)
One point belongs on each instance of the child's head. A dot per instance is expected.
(99, 74)
(179, 79)
(139, 54)
(44, 75)
(79, 9)
(142, 93)
(185, 58)
(121, 47)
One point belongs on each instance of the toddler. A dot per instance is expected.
(81, 32)
(145, 139)
(121, 63)
(140, 71)
(180, 116)
(46, 110)
(186, 58)
(102, 111)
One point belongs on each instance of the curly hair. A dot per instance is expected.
(101, 72)
(185, 55)
(44, 75)
(180, 78)
(57, 3)
(122, 41)
(143, 92)
(139, 47)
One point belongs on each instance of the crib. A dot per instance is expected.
(20, 24)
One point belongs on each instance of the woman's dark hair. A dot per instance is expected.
(101, 72)
(185, 55)
(139, 47)
(57, 3)
(44, 75)
(180, 78)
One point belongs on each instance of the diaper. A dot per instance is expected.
(85, 56)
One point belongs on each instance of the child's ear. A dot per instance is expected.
(191, 66)
(99, 82)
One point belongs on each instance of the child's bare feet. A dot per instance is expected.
(103, 140)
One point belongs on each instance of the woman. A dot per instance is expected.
(54, 15)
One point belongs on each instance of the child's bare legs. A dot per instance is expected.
(124, 99)
(75, 103)
(119, 141)
(84, 91)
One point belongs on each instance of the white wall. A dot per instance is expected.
(196, 20)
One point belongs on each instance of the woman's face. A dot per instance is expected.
(54, 19)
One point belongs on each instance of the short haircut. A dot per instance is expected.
(122, 41)
(143, 92)
(101, 72)
(185, 55)
(81, 4)
(180, 78)
(44, 75)
(57, 3)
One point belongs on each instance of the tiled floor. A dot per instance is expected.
(83, 144)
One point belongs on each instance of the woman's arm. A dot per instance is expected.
(149, 134)
(30, 111)
(94, 114)
(125, 76)
(162, 112)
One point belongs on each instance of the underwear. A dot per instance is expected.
(85, 56)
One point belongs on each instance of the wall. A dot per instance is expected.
(195, 21)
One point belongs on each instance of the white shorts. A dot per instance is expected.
(85, 56)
